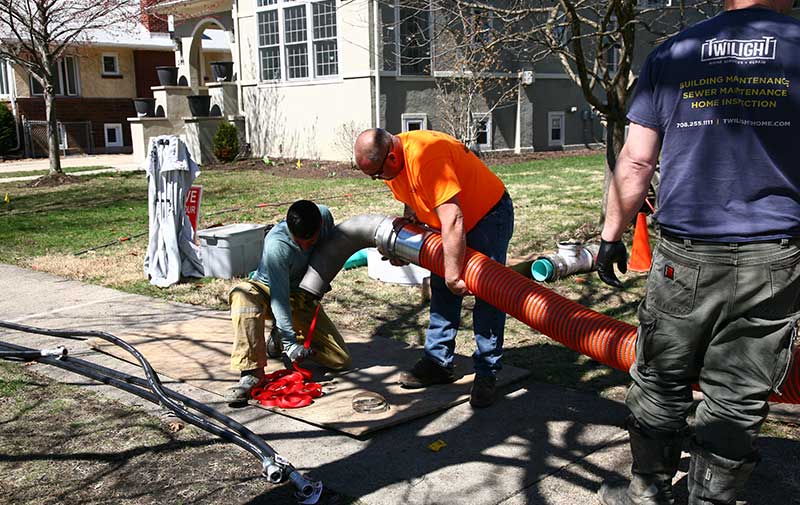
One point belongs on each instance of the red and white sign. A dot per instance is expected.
(193, 197)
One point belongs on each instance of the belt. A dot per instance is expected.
(690, 241)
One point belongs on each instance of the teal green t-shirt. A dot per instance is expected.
(282, 267)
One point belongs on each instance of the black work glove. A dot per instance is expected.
(609, 254)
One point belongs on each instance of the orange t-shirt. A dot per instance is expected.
(438, 167)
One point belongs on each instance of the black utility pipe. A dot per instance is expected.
(274, 467)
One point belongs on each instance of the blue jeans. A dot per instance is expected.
(490, 237)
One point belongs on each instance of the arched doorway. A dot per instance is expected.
(210, 42)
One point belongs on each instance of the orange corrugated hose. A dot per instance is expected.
(600, 337)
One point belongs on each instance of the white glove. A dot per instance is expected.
(295, 351)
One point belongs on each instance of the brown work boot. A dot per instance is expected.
(483, 391)
(426, 373)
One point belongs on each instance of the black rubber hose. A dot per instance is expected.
(274, 471)
(140, 388)
(26, 354)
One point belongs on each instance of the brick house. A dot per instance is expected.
(97, 81)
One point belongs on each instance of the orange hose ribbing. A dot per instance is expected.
(600, 337)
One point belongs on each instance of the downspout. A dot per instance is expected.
(239, 89)
(600, 337)
(378, 45)
(14, 109)
(518, 128)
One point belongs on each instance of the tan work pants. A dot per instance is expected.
(250, 306)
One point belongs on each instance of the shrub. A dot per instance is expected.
(8, 130)
(226, 142)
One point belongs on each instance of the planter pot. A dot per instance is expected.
(167, 76)
(199, 105)
(145, 107)
(222, 70)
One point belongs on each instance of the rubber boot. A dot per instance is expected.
(655, 462)
(714, 480)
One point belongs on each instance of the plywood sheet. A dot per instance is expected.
(197, 351)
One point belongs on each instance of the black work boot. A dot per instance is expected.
(274, 344)
(426, 373)
(655, 463)
(714, 480)
(483, 391)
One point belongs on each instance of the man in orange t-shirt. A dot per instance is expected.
(444, 185)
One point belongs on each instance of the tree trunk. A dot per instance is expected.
(52, 131)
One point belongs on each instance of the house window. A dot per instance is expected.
(559, 31)
(483, 129)
(613, 47)
(555, 121)
(5, 88)
(651, 4)
(480, 25)
(297, 39)
(110, 64)
(67, 83)
(113, 134)
(413, 122)
(326, 59)
(269, 45)
(296, 32)
(407, 37)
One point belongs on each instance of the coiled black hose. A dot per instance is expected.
(274, 467)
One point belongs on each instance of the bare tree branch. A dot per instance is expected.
(36, 34)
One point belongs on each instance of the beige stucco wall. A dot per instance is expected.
(355, 26)
(21, 85)
(94, 84)
(315, 121)
(248, 41)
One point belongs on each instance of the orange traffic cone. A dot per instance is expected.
(640, 251)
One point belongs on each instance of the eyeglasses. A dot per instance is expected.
(379, 174)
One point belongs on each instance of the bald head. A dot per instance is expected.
(370, 149)
(782, 6)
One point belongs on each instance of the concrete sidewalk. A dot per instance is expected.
(541, 444)
(112, 162)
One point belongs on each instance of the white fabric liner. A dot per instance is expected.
(171, 251)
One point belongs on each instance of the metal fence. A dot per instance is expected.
(74, 137)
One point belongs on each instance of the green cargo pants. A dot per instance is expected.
(250, 306)
(723, 315)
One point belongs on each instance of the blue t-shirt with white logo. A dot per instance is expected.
(725, 96)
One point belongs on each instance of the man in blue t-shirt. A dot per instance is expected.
(720, 102)
(273, 293)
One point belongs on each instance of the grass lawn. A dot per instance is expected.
(554, 199)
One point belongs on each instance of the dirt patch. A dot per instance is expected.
(322, 169)
(49, 181)
(508, 157)
(289, 167)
